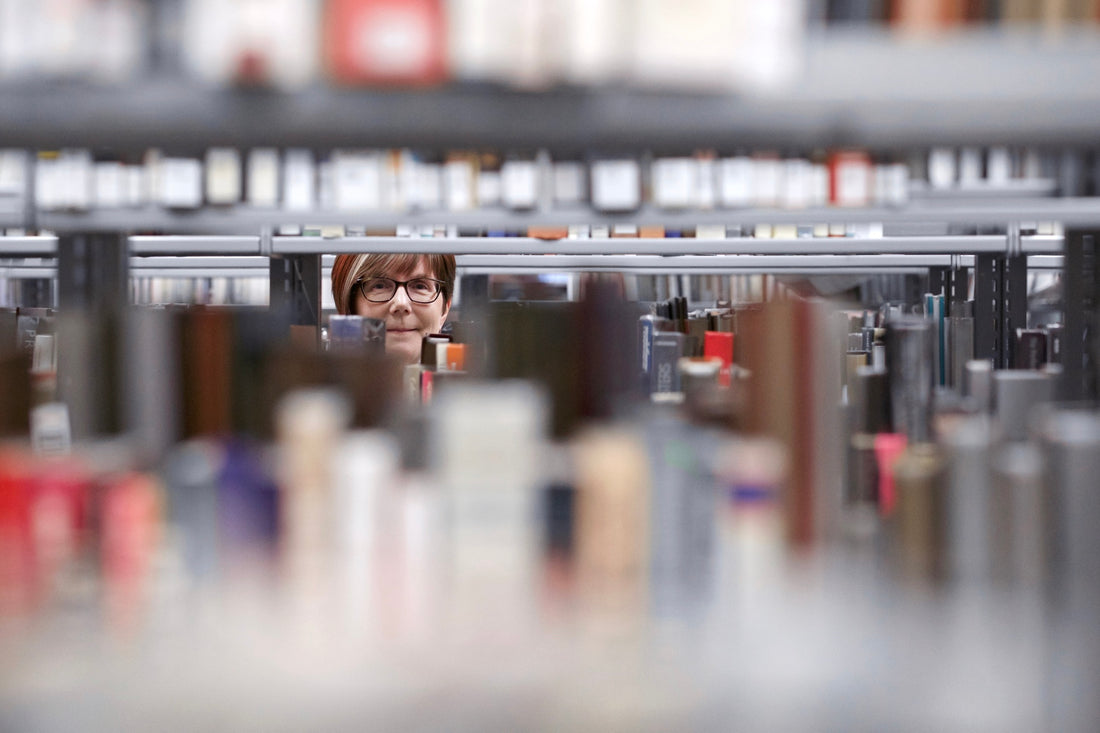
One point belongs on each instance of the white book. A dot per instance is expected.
(263, 177)
(489, 188)
(47, 189)
(357, 180)
(299, 180)
(180, 183)
(460, 183)
(428, 194)
(78, 179)
(223, 176)
(998, 169)
(942, 168)
(135, 185)
(111, 185)
(970, 166)
(735, 176)
(616, 185)
(13, 176)
(710, 231)
(897, 191)
(853, 183)
(819, 185)
(519, 184)
(767, 180)
(796, 184)
(706, 182)
(675, 183)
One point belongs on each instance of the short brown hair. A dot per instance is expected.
(349, 269)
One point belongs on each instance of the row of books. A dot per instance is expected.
(292, 43)
(407, 181)
(940, 15)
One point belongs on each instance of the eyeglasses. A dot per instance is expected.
(422, 290)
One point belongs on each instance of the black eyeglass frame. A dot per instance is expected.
(359, 284)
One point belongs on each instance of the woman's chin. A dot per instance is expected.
(405, 346)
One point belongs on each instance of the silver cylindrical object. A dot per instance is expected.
(909, 360)
(1019, 515)
(969, 498)
(978, 383)
(1017, 394)
(1071, 441)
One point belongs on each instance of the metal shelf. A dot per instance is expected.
(223, 248)
(44, 246)
(243, 220)
(257, 266)
(671, 246)
(215, 245)
(872, 89)
(211, 264)
(703, 263)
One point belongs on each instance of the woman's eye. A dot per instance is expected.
(378, 285)
(421, 286)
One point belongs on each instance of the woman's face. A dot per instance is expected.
(406, 322)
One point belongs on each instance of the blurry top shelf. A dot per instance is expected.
(870, 89)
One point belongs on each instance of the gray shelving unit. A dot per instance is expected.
(146, 247)
(667, 247)
(258, 266)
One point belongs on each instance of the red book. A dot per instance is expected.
(719, 344)
(16, 542)
(888, 447)
(426, 378)
(60, 512)
(385, 41)
(850, 178)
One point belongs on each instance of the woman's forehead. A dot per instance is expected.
(415, 268)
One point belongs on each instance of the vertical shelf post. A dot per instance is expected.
(93, 291)
(986, 294)
(1080, 286)
(296, 288)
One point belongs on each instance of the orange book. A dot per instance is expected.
(456, 357)
(385, 41)
(548, 232)
(927, 15)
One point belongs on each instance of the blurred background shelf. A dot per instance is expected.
(874, 89)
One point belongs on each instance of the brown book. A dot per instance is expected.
(921, 16)
(1020, 11)
(207, 336)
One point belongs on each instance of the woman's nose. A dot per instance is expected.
(400, 299)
